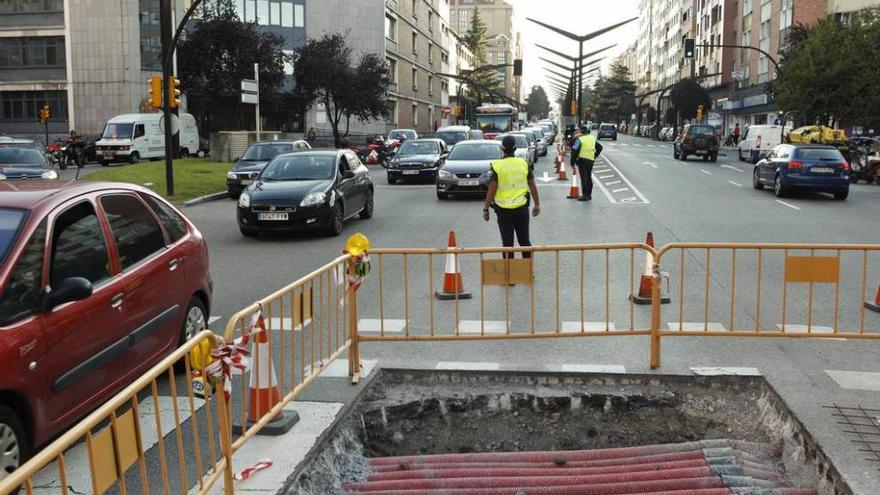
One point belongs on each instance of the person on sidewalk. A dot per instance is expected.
(736, 134)
(587, 148)
(511, 188)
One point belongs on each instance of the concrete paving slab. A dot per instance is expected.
(696, 326)
(721, 371)
(465, 366)
(587, 368)
(374, 325)
(856, 380)
(474, 327)
(588, 326)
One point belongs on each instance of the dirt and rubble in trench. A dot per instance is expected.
(417, 413)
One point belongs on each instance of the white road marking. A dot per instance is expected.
(792, 328)
(636, 145)
(473, 327)
(614, 183)
(368, 325)
(856, 380)
(652, 165)
(695, 326)
(604, 190)
(731, 167)
(706, 172)
(783, 203)
(339, 368)
(214, 319)
(606, 176)
(620, 190)
(737, 184)
(636, 191)
(285, 324)
(717, 371)
(587, 368)
(588, 326)
(463, 366)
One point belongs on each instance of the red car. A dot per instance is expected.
(98, 282)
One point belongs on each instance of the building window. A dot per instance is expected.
(263, 12)
(392, 110)
(430, 21)
(25, 105)
(785, 15)
(430, 85)
(390, 28)
(250, 11)
(415, 119)
(150, 35)
(392, 69)
(430, 53)
(288, 62)
(28, 6)
(415, 79)
(415, 44)
(415, 8)
(275, 10)
(32, 52)
(287, 14)
(299, 19)
(320, 114)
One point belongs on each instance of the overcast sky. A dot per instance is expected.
(575, 16)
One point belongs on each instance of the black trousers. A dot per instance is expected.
(585, 170)
(515, 221)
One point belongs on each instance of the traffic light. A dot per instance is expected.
(173, 91)
(458, 111)
(690, 47)
(587, 113)
(155, 91)
(700, 113)
(518, 67)
(573, 110)
(45, 114)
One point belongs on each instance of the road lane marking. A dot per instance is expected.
(588, 326)
(368, 325)
(587, 368)
(783, 203)
(620, 190)
(606, 176)
(695, 326)
(706, 172)
(546, 178)
(473, 327)
(604, 190)
(731, 167)
(734, 183)
(214, 319)
(635, 190)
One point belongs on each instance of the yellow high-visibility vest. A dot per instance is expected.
(588, 147)
(513, 182)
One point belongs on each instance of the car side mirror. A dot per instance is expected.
(69, 290)
(348, 174)
(236, 159)
(254, 175)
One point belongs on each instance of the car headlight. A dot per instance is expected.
(49, 174)
(393, 164)
(244, 200)
(313, 199)
(2, 177)
(231, 175)
(443, 174)
(429, 164)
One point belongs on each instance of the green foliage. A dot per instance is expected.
(484, 85)
(686, 96)
(537, 103)
(215, 55)
(325, 74)
(615, 95)
(830, 74)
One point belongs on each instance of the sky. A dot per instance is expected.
(575, 16)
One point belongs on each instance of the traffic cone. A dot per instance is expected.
(574, 191)
(644, 296)
(264, 393)
(875, 304)
(453, 288)
(563, 175)
(559, 159)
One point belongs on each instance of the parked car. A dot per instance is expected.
(24, 163)
(665, 134)
(816, 168)
(98, 283)
(757, 140)
(401, 135)
(451, 135)
(478, 134)
(19, 142)
(135, 136)
(607, 131)
(466, 170)
(307, 190)
(417, 159)
(538, 139)
(696, 139)
(549, 133)
(524, 149)
(257, 156)
(813, 134)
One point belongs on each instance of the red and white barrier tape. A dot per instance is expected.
(245, 474)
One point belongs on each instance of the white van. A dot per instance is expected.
(135, 136)
(757, 141)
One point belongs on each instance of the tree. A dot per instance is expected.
(215, 55)
(325, 74)
(484, 85)
(615, 95)
(687, 96)
(537, 103)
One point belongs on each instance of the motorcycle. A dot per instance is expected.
(864, 159)
(69, 152)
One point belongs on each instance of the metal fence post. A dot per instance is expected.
(354, 355)
(655, 318)
(224, 415)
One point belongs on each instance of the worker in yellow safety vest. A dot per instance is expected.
(587, 148)
(511, 188)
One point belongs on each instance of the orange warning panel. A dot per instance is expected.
(507, 271)
(815, 269)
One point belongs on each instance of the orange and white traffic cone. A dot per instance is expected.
(574, 191)
(453, 287)
(875, 304)
(559, 158)
(264, 393)
(644, 296)
(563, 175)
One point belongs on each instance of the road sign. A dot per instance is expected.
(249, 86)
(250, 98)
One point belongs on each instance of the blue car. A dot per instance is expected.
(815, 168)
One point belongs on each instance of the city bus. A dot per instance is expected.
(495, 119)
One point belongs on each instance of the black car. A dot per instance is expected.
(24, 163)
(306, 190)
(417, 159)
(254, 159)
(696, 139)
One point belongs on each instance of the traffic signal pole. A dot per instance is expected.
(165, 22)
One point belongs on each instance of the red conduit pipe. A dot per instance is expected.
(688, 486)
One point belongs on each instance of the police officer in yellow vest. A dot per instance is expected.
(511, 188)
(587, 149)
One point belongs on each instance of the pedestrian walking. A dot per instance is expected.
(511, 189)
(736, 134)
(587, 148)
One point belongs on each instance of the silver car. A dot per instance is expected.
(466, 170)
(538, 139)
(524, 148)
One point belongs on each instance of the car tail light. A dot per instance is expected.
(794, 164)
(845, 167)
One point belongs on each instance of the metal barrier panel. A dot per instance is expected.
(305, 327)
(771, 290)
(561, 291)
(159, 420)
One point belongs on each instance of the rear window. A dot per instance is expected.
(21, 156)
(701, 130)
(476, 152)
(266, 152)
(452, 137)
(607, 127)
(827, 154)
(10, 223)
(521, 141)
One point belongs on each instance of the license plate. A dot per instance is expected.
(701, 152)
(468, 183)
(822, 170)
(108, 154)
(410, 172)
(272, 217)
(246, 182)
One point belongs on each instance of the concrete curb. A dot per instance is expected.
(204, 199)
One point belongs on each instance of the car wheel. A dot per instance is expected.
(705, 158)
(105, 163)
(755, 156)
(14, 448)
(134, 157)
(778, 188)
(391, 181)
(200, 153)
(854, 179)
(739, 154)
(841, 195)
(756, 180)
(184, 152)
(682, 156)
(195, 320)
(247, 231)
(442, 195)
(234, 195)
(367, 211)
(336, 221)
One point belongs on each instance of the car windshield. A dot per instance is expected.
(25, 157)
(419, 148)
(265, 152)
(607, 127)
(452, 137)
(495, 123)
(476, 151)
(547, 129)
(701, 130)
(402, 134)
(825, 154)
(10, 222)
(118, 131)
(300, 167)
(521, 141)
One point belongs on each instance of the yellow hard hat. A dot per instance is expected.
(357, 244)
